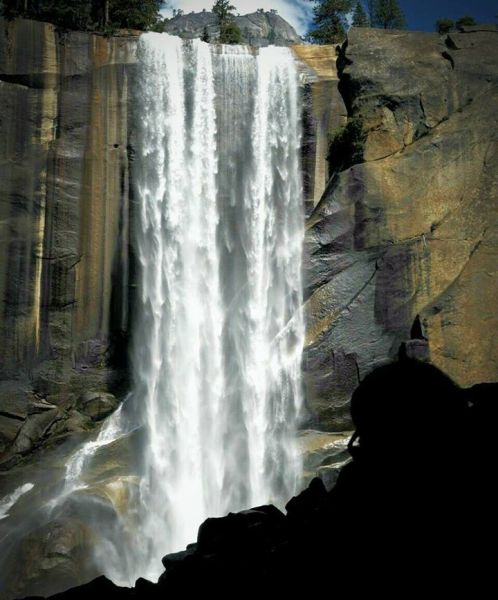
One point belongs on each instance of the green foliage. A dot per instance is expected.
(10, 9)
(230, 34)
(386, 14)
(223, 10)
(444, 25)
(229, 31)
(360, 18)
(159, 26)
(329, 23)
(205, 35)
(88, 15)
(134, 14)
(67, 15)
(346, 146)
(466, 21)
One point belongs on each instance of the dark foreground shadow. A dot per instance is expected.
(413, 514)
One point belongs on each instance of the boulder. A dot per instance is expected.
(52, 558)
(241, 532)
(97, 405)
(34, 430)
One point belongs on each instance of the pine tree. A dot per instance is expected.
(87, 14)
(444, 25)
(466, 21)
(360, 18)
(18, 8)
(229, 31)
(386, 14)
(330, 21)
(134, 14)
(66, 14)
(205, 35)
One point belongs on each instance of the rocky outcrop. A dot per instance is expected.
(404, 242)
(397, 508)
(257, 29)
(63, 226)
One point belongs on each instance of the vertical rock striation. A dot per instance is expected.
(63, 220)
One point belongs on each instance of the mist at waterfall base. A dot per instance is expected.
(210, 425)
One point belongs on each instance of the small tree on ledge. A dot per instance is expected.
(466, 21)
(205, 35)
(229, 31)
(444, 25)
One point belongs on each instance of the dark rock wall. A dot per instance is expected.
(410, 227)
(63, 225)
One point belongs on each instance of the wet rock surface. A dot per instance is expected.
(396, 499)
(63, 227)
(324, 454)
(97, 405)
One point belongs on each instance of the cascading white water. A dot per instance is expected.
(218, 236)
(218, 328)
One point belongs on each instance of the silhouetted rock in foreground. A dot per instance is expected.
(414, 511)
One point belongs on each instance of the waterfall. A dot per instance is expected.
(218, 235)
(210, 424)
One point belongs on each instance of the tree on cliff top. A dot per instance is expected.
(466, 21)
(386, 14)
(444, 25)
(360, 18)
(87, 15)
(134, 14)
(229, 31)
(75, 14)
(329, 23)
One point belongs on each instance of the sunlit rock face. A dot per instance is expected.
(324, 113)
(411, 229)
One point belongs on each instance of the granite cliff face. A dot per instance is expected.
(404, 243)
(258, 28)
(63, 230)
(401, 245)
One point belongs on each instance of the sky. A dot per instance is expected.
(421, 14)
